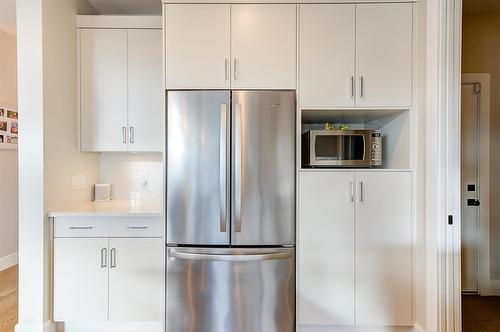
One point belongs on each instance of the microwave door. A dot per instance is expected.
(263, 168)
(339, 148)
(197, 172)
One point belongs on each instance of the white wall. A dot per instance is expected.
(48, 151)
(8, 158)
(127, 172)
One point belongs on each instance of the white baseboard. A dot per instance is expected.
(48, 326)
(352, 328)
(8, 261)
(418, 328)
(112, 327)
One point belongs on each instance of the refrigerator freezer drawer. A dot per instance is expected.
(230, 290)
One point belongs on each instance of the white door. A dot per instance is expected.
(327, 44)
(136, 279)
(145, 90)
(470, 189)
(325, 249)
(80, 279)
(197, 46)
(383, 249)
(384, 49)
(103, 89)
(263, 46)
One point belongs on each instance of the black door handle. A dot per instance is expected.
(473, 202)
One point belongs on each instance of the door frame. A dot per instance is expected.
(486, 285)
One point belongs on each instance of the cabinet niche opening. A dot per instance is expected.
(393, 124)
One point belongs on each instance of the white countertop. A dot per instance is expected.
(113, 208)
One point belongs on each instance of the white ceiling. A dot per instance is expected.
(8, 16)
(126, 7)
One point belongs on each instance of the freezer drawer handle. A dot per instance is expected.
(137, 227)
(80, 227)
(229, 258)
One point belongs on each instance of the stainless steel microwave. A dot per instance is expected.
(342, 148)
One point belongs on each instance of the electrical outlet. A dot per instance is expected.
(78, 182)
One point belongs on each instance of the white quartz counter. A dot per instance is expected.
(113, 208)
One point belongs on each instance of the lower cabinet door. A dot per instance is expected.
(325, 249)
(383, 248)
(136, 279)
(80, 279)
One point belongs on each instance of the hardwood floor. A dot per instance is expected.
(8, 299)
(480, 313)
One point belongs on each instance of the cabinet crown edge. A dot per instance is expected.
(118, 22)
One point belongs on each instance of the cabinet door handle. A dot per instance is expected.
(132, 135)
(351, 190)
(113, 258)
(225, 68)
(137, 227)
(361, 86)
(235, 69)
(124, 134)
(352, 86)
(104, 257)
(361, 191)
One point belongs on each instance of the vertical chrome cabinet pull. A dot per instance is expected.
(238, 164)
(104, 257)
(351, 190)
(132, 135)
(113, 258)
(223, 170)
(235, 70)
(225, 68)
(352, 86)
(362, 86)
(361, 192)
(124, 133)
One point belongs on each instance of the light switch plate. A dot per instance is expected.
(78, 182)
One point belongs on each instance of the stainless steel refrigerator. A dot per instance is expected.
(230, 211)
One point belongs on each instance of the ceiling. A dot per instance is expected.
(481, 6)
(8, 16)
(126, 7)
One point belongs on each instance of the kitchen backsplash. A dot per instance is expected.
(133, 175)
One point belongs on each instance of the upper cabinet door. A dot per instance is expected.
(197, 46)
(103, 89)
(145, 92)
(263, 46)
(327, 44)
(384, 54)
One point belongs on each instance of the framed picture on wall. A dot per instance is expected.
(9, 130)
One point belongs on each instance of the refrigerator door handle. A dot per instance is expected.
(176, 253)
(238, 110)
(223, 169)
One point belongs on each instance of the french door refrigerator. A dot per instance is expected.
(230, 211)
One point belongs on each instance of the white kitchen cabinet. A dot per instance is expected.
(383, 249)
(356, 55)
(136, 279)
(145, 92)
(327, 53)
(197, 46)
(263, 46)
(103, 89)
(384, 49)
(100, 275)
(326, 249)
(121, 95)
(80, 279)
(354, 248)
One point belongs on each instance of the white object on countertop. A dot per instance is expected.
(102, 192)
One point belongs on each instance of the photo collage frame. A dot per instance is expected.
(9, 130)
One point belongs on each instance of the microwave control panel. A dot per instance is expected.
(376, 148)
